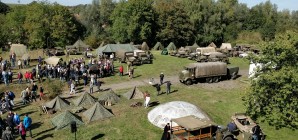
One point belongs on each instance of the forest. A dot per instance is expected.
(184, 22)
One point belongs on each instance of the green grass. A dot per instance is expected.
(132, 123)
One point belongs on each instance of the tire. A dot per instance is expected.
(208, 80)
(188, 82)
(234, 76)
(228, 138)
(215, 79)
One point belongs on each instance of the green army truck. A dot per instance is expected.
(211, 72)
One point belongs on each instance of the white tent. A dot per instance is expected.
(54, 60)
(162, 114)
(226, 46)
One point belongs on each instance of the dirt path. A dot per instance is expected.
(227, 84)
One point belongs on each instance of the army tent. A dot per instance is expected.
(134, 93)
(195, 45)
(109, 97)
(58, 104)
(84, 100)
(80, 45)
(171, 47)
(18, 49)
(145, 47)
(54, 60)
(158, 46)
(97, 112)
(212, 45)
(227, 46)
(64, 119)
(26, 56)
(112, 48)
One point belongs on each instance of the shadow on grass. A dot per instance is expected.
(30, 112)
(19, 106)
(154, 103)
(137, 76)
(42, 132)
(45, 136)
(97, 137)
(36, 125)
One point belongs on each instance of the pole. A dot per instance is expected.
(75, 135)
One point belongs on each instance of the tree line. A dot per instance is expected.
(184, 22)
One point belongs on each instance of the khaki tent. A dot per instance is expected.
(54, 60)
(79, 45)
(145, 46)
(112, 48)
(58, 104)
(97, 112)
(195, 45)
(158, 46)
(134, 93)
(64, 119)
(212, 45)
(171, 47)
(109, 97)
(84, 100)
(26, 56)
(18, 49)
(227, 46)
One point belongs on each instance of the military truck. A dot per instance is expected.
(211, 72)
(193, 128)
(143, 57)
(200, 51)
(212, 57)
(122, 55)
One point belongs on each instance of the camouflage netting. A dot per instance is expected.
(97, 112)
(64, 119)
(162, 114)
(58, 104)
(134, 93)
(84, 100)
(109, 96)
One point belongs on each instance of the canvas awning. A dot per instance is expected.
(112, 48)
(54, 60)
(192, 122)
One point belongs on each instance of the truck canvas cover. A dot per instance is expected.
(209, 68)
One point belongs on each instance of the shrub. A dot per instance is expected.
(54, 88)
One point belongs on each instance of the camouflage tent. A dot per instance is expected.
(109, 97)
(145, 47)
(80, 45)
(158, 46)
(112, 48)
(134, 93)
(84, 100)
(212, 45)
(171, 47)
(64, 119)
(97, 112)
(54, 60)
(58, 104)
(18, 49)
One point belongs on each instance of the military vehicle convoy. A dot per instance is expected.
(137, 57)
(210, 72)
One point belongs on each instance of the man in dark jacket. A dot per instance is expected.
(166, 132)
(158, 89)
(168, 87)
(7, 134)
(161, 76)
(256, 130)
(10, 122)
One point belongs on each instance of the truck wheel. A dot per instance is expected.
(228, 138)
(208, 80)
(215, 79)
(188, 82)
(234, 75)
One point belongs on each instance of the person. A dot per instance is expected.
(22, 130)
(158, 89)
(16, 119)
(121, 70)
(27, 123)
(7, 134)
(232, 126)
(10, 122)
(91, 87)
(33, 91)
(147, 99)
(20, 64)
(161, 76)
(256, 130)
(40, 92)
(168, 87)
(20, 77)
(24, 96)
(166, 132)
(72, 88)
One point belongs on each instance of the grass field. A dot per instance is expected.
(132, 123)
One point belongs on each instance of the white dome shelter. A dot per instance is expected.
(162, 114)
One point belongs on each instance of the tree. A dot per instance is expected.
(274, 90)
(4, 8)
(174, 24)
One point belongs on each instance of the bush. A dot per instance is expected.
(54, 88)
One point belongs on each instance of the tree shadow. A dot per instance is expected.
(45, 136)
(97, 137)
